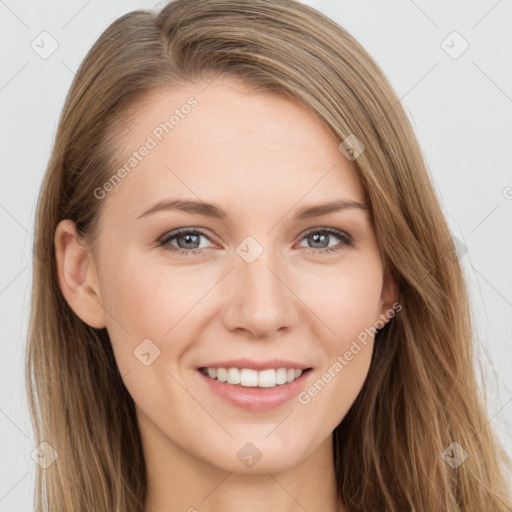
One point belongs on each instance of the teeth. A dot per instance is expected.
(267, 378)
(281, 376)
(248, 377)
(233, 376)
(253, 378)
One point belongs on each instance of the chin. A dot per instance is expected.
(257, 457)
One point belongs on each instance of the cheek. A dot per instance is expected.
(147, 299)
(348, 306)
(346, 299)
(357, 306)
(147, 308)
(149, 302)
(136, 310)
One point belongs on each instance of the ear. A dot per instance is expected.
(389, 304)
(78, 279)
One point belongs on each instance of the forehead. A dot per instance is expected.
(225, 142)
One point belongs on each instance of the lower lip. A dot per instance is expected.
(255, 398)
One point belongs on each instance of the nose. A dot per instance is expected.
(259, 297)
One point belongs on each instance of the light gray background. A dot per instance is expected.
(461, 110)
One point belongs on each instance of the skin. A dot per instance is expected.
(261, 157)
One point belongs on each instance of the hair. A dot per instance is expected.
(421, 391)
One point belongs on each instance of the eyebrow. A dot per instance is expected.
(216, 212)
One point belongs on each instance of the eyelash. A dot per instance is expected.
(347, 241)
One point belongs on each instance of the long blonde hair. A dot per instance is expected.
(421, 393)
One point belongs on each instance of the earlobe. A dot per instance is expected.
(77, 276)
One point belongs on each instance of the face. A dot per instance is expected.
(259, 286)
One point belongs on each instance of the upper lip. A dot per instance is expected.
(256, 365)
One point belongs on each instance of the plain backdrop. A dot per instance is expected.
(450, 63)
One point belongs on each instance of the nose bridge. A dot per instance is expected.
(259, 300)
(261, 280)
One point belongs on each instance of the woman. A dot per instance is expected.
(257, 368)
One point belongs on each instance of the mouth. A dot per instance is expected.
(255, 390)
(251, 378)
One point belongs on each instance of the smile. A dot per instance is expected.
(249, 377)
(261, 390)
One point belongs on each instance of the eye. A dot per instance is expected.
(187, 239)
(320, 236)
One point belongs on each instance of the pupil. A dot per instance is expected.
(315, 238)
(187, 240)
